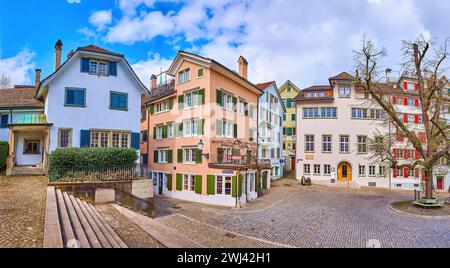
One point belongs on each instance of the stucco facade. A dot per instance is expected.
(186, 112)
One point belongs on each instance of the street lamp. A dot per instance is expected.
(200, 147)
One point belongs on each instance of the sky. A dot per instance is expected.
(303, 41)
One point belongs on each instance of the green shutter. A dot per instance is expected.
(181, 102)
(234, 104)
(179, 182)
(246, 108)
(180, 156)
(201, 126)
(152, 109)
(169, 182)
(164, 132)
(155, 156)
(219, 130)
(219, 98)
(211, 184)
(288, 131)
(288, 103)
(170, 156)
(198, 156)
(264, 180)
(201, 92)
(154, 133)
(241, 179)
(256, 182)
(235, 131)
(236, 152)
(233, 186)
(198, 184)
(219, 155)
(170, 103)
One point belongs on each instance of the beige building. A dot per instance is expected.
(337, 123)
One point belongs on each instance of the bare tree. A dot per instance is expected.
(5, 82)
(428, 69)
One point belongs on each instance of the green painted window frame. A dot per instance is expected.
(75, 105)
(110, 100)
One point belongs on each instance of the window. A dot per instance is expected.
(400, 173)
(307, 168)
(309, 143)
(159, 132)
(344, 91)
(223, 185)
(102, 68)
(95, 139)
(162, 107)
(316, 169)
(289, 89)
(317, 113)
(170, 130)
(410, 102)
(4, 120)
(326, 143)
(242, 106)
(118, 101)
(362, 113)
(31, 147)
(93, 67)
(344, 144)
(189, 155)
(227, 101)
(64, 138)
(163, 156)
(184, 76)
(200, 72)
(411, 118)
(104, 139)
(372, 171)
(101, 139)
(362, 171)
(190, 127)
(144, 136)
(225, 128)
(193, 99)
(362, 144)
(144, 159)
(75, 97)
(382, 170)
(400, 153)
(326, 170)
(189, 182)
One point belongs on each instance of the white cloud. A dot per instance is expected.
(305, 41)
(153, 65)
(74, 1)
(18, 67)
(100, 19)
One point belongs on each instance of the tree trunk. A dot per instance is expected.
(428, 183)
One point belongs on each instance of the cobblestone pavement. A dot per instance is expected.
(22, 209)
(316, 216)
(128, 231)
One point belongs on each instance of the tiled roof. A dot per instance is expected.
(343, 76)
(19, 97)
(94, 48)
(265, 85)
(318, 88)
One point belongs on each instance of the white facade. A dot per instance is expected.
(96, 114)
(270, 130)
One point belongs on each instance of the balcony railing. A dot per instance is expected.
(163, 90)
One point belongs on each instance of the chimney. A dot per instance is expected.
(71, 53)
(243, 67)
(153, 82)
(388, 75)
(58, 49)
(38, 77)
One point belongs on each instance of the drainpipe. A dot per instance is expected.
(238, 201)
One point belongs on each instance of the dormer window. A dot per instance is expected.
(344, 91)
(98, 68)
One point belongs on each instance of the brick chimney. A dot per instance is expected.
(243, 67)
(153, 82)
(58, 49)
(38, 77)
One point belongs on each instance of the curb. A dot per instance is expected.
(415, 215)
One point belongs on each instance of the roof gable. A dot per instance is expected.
(289, 83)
(19, 97)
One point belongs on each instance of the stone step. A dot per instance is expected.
(29, 171)
(87, 228)
(76, 223)
(108, 228)
(52, 227)
(95, 227)
(111, 241)
(66, 227)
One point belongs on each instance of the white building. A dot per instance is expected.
(270, 128)
(93, 99)
(335, 124)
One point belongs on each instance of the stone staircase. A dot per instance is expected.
(27, 171)
(74, 223)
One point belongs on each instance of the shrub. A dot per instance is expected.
(3, 154)
(64, 160)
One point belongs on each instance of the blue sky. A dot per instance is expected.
(304, 41)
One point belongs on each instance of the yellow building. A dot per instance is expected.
(288, 92)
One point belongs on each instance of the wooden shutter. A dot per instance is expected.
(405, 85)
(405, 172)
(394, 172)
(211, 185)
(406, 154)
(180, 155)
(233, 186)
(416, 87)
(152, 109)
(405, 101)
(219, 155)
(155, 156)
(405, 118)
(394, 100)
(219, 98)
(198, 184)
(169, 182)
(170, 103)
(246, 108)
(416, 119)
(416, 102)
(395, 153)
(154, 133)
(84, 65)
(234, 104)
(181, 102)
(170, 156)
(201, 94)
(135, 140)
(235, 131)
(416, 154)
(112, 68)
(179, 182)
(198, 156)
(219, 129)
(85, 138)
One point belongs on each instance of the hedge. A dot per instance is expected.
(3, 154)
(92, 158)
